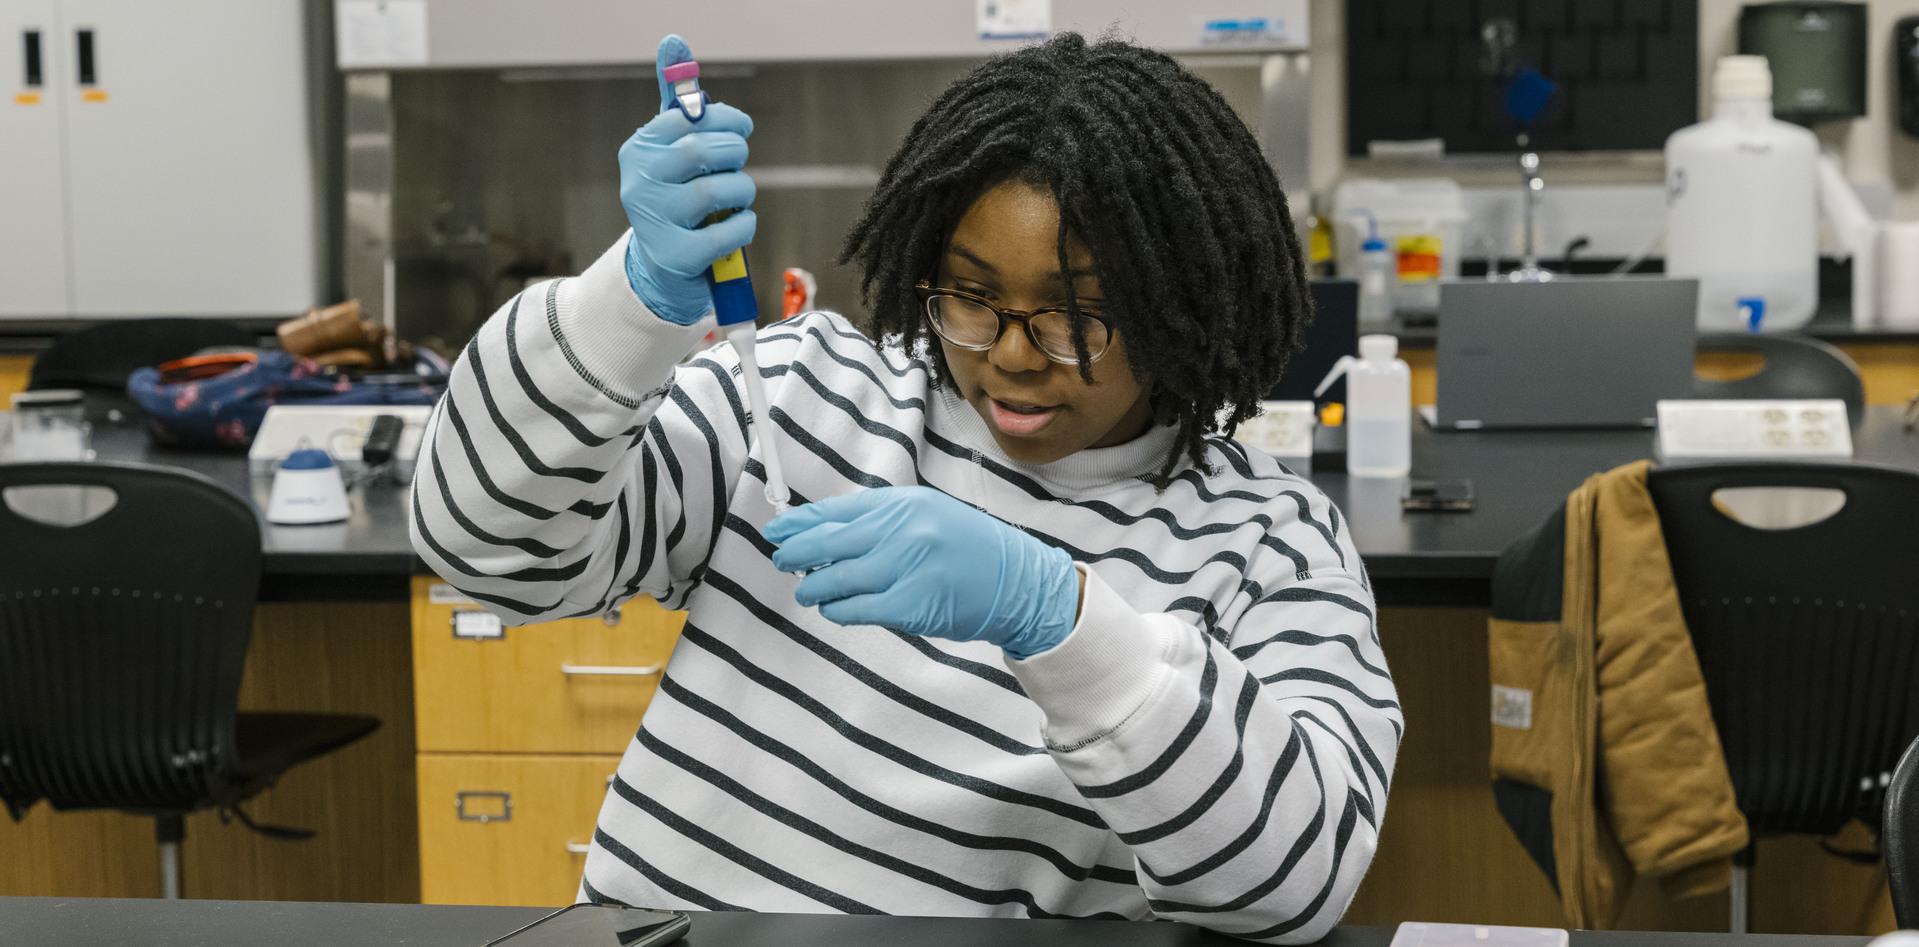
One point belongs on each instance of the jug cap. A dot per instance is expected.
(1742, 77)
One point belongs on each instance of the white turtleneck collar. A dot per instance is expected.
(1087, 469)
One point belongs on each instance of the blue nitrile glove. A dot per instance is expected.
(672, 174)
(914, 559)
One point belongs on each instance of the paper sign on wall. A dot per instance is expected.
(372, 34)
(1014, 19)
(1263, 25)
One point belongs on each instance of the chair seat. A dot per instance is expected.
(269, 744)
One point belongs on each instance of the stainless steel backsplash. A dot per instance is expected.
(499, 177)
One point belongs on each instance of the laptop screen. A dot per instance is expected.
(1569, 353)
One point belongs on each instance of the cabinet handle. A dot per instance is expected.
(83, 41)
(30, 41)
(578, 848)
(609, 669)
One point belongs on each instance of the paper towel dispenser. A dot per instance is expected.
(1817, 51)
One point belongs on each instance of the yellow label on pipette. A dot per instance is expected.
(730, 266)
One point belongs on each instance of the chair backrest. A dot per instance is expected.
(1902, 839)
(1796, 367)
(97, 359)
(122, 639)
(104, 355)
(1808, 637)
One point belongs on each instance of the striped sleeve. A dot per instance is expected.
(570, 465)
(1247, 769)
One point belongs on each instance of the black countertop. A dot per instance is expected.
(1518, 478)
(367, 558)
(1413, 558)
(1831, 322)
(90, 922)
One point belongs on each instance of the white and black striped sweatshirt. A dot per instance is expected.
(1212, 743)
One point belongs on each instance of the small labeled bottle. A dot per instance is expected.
(1379, 395)
(1378, 271)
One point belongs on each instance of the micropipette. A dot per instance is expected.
(733, 303)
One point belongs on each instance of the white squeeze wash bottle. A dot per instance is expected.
(1379, 395)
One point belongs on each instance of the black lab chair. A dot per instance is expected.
(1808, 638)
(1795, 367)
(122, 640)
(1902, 839)
(96, 360)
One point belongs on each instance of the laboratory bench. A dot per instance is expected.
(47, 922)
(1831, 322)
(1414, 559)
(51, 923)
(477, 718)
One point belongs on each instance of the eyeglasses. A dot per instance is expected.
(972, 323)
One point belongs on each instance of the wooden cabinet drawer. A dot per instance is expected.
(570, 686)
(500, 829)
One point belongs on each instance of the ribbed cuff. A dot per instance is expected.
(1102, 673)
(621, 347)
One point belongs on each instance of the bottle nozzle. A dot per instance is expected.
(1339, 368)
(1372, 241)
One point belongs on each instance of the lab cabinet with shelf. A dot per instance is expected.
(158, 159)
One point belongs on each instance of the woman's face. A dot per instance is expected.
(1005, 249)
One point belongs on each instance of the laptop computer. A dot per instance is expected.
(1334, 332)
(1569, 353)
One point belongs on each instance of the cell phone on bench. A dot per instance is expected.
(600, 925)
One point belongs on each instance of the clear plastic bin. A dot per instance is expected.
(1422, 221)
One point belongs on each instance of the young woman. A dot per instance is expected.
(1036, 640)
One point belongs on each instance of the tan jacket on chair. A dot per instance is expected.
(1605, 761)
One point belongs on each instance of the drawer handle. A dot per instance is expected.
(578, 848)
(610, 669)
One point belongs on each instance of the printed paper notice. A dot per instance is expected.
(1014, 19)
(375, 34)
(1264, 25)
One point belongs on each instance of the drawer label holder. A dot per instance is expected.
(477, 625)
(498, 806)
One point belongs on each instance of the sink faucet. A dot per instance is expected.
(1529, 270)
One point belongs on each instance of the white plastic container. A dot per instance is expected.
(1742, 207)
(1377, 276)
(1899, 277)
(1420, 219)
(1379, 413)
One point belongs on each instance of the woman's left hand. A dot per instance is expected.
(914, 559)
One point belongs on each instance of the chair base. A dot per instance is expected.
(1741, 891)
(170, 831)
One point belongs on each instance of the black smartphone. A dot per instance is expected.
(1441, 495)
(600, 925)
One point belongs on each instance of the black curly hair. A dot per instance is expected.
(1190, 235)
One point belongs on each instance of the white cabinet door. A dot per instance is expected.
(33, 214)
(190, 176)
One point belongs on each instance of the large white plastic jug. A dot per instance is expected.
(1742, 211)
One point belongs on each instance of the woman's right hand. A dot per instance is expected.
(673, 173)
